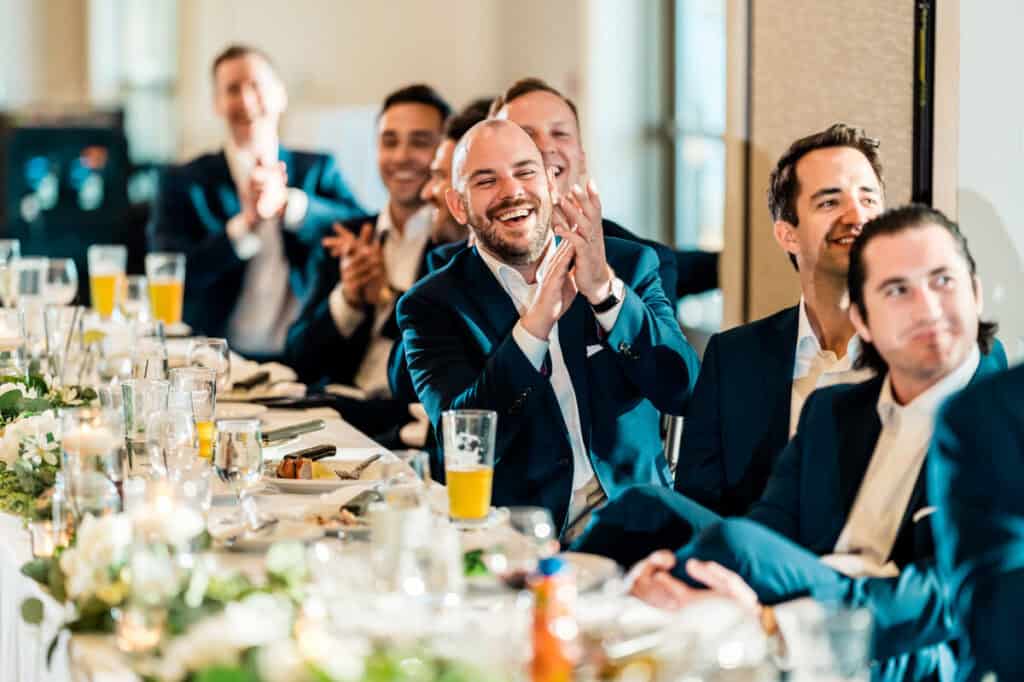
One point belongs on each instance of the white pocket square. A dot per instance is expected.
(596, 348)
(922, 513)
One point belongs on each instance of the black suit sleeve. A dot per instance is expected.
(330, 201)
(700, 471)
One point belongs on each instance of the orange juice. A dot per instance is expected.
(104, 290)
(206, 436)
(166, 296)
(469, 492)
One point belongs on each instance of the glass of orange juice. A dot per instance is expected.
(199, 385)
(106, 272)
(166, 274)
(469, 462)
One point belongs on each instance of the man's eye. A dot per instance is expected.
(828, 203)
(895, 290)
(528, 173)
(484, 183)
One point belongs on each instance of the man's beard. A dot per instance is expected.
(490, 238)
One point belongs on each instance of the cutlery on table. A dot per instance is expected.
(356, 472)
(286, 432)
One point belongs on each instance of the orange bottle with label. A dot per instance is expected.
(555, 632)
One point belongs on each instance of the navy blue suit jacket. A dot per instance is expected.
(812, 490)
(976, 479)
(315, 348)
(457, 329)
(738, 420)
(190, 214)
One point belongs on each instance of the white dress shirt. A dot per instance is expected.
(266, 306)
(815, 368)
(867, 539)
(522, 294)
(403, 255)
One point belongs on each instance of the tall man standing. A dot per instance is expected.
(574, 344)
(248, 218)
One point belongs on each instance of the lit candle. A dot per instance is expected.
(138, 629)
(44, 543)
(89, 440)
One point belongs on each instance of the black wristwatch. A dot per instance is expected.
(613, 298)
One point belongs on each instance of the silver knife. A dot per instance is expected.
(286, 432)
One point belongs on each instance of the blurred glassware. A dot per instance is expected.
(135, 299)
(13, 358)
(10, 251)
(201, 385)
(238, 461)
(106, 272)
(29, 284)
(61, 281)
(141, 399)
(91, 443)
(212, 353)
(150, 358)
(171, 438)
(166, 274)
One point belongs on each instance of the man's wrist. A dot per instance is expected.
(537, 328)
(603, 291)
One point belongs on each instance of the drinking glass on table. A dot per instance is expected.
(61, 281)
(141, 399)
(149, 356)
(171, 438)
(13, 360)
(200, 384)
(106, 264)
(238, 461)
(166, 274)
(135, 299)
(212, 353)
(469, 462)
(91, 444)
(29, 281)
(10, 251)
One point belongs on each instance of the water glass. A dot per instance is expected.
(238, 459)
(141, 399)
(212, 353)
(166, 274)
(171, 439)
(149, 358)
(469, 462)
(106, 272)
(29, 285)
(135, 298)
(13, 361)
(10, 251)
(91, 444)
(61, 281)
(200, 384)
(65, 342)
(835, 644)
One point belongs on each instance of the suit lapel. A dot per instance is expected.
(779, 358)
(493, 306)
(858, 430)
(572, 341)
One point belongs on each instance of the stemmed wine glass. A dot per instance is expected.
(238, 461)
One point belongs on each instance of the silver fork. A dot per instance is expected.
(358, 470)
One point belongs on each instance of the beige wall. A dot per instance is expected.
(815, 63)
(44, 52)
(350, 52)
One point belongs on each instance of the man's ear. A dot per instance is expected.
(859, 324)
(456, 206)
(786, 237)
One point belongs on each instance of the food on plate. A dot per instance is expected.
(303, 468)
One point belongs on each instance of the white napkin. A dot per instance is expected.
(242, 369)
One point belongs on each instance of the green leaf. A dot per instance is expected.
(38, 570)
(56, 582)
(32, 611)
(223, 673)
(9, 401)
(52, 648)
(473, 564)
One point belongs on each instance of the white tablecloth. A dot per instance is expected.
(22, 647)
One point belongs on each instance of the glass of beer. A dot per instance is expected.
(200, 385)
(469, 462)
(166, 274)
(106, 271)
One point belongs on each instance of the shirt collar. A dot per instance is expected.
(927, 404)
(508, 276)
(241, 161)
(807, 342)
(416, 227)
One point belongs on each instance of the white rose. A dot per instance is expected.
(99, 544)
(175, 529)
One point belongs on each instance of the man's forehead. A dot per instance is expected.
(250, 64)
(539, 104)
(503, 145)
(834, 166)
(410, 115)
(911, 252)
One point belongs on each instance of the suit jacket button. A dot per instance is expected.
(626, 349)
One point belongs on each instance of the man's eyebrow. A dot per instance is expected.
(825, 191)
(481, 171)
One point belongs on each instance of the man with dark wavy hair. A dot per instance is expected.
(846, 515)
(821, 192)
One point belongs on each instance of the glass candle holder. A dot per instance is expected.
(44, 540)
(92, 444)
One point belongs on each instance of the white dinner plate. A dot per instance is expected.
(284, 529)
(238, 410)
(378, 471)
(592, 570)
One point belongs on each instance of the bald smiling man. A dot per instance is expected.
(567, 335)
